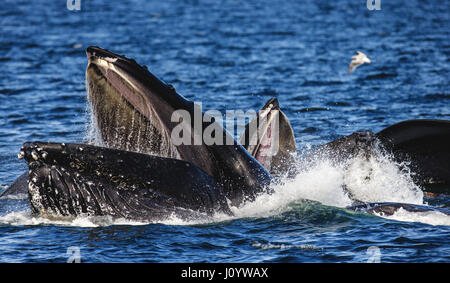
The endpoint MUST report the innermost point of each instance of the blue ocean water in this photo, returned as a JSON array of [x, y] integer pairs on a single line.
[[230, 55]]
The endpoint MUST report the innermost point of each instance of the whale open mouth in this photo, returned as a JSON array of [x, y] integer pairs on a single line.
[[134, 111]]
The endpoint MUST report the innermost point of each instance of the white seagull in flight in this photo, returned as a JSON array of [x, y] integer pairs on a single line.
[[357, 60]]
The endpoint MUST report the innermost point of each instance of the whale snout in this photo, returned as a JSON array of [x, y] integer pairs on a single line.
[[99, 53]]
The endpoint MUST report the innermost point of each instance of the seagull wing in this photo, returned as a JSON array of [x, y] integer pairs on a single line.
[[353, 65]]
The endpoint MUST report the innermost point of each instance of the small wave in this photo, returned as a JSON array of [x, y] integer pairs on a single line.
[[19, 121], [301, 98], [381, 76], [15, 196], [309, 130], [339, 103], [267, 92], [321, 83], [270, 246], [3, 188], [437, 96], [313, 109]]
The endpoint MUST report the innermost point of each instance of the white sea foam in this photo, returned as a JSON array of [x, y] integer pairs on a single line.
[[270, 246], [3, 188], [24, 217], [16, 196], [378, 179], [427, 217]]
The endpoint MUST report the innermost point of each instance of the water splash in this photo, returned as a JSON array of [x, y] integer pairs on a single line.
[[92, 134], [379, 179], [428, 217], [25, 217]]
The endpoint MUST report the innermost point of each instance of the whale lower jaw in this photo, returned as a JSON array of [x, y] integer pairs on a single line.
[[70, 180]]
